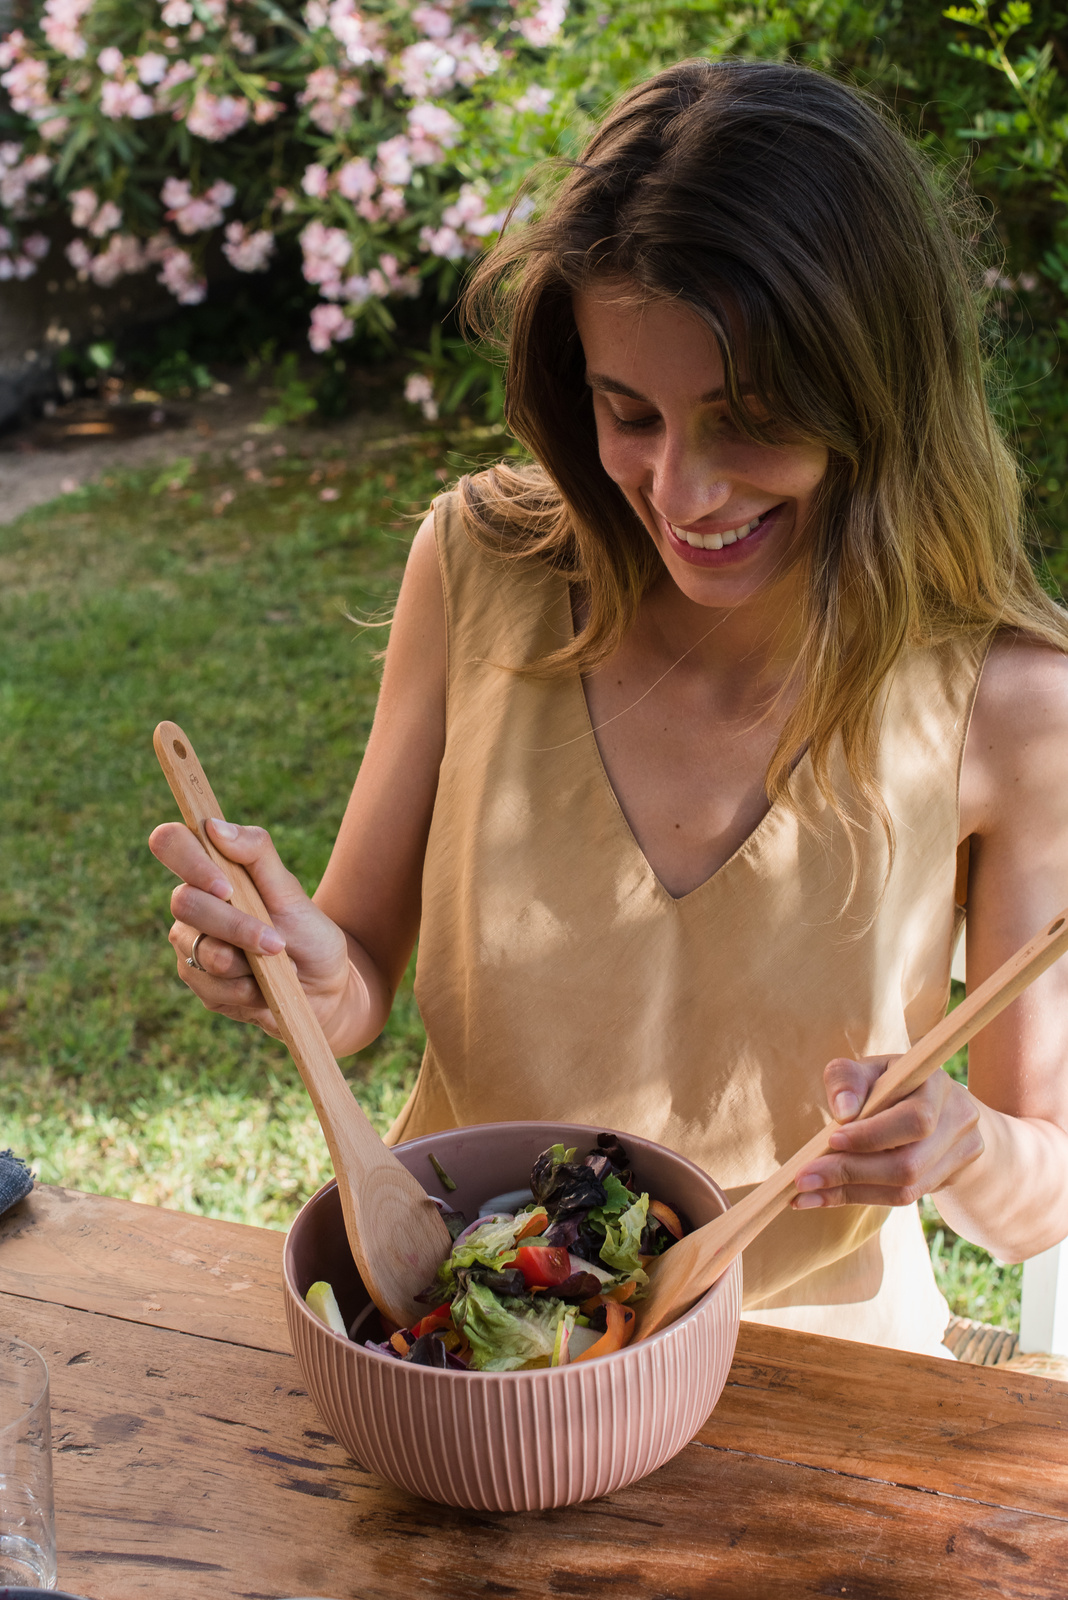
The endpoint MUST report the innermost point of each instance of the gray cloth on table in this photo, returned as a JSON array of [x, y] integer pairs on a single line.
[[16, 1180]]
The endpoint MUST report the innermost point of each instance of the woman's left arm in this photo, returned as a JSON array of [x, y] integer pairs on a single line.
[[994, 1156]]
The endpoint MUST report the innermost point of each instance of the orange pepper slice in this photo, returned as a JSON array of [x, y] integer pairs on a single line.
[[664, 1214], [535, 1224], [622, 1292], [615, 1337]]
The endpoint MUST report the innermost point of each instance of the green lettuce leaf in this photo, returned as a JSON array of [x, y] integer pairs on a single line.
[[623, 1237], [492, 1245], [506, 1335]]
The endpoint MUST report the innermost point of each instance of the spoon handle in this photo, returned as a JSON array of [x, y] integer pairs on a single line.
[[394, 1230], [690, 1267]]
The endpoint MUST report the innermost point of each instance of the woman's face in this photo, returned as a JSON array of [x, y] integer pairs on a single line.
[[728, 515]]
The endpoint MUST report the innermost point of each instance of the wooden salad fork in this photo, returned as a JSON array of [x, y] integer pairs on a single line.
[[689, 1268], [395, 1231]]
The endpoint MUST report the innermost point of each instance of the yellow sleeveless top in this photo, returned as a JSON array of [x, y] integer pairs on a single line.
[[557, 978]]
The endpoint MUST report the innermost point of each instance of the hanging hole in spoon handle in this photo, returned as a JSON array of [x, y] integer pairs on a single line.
[[395, 1231]]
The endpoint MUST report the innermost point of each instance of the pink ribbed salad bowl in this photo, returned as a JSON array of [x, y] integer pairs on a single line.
[[511, 1441]]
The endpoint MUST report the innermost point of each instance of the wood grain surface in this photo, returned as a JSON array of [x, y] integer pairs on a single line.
[[143, 1264], [188, 1466], [189, 1460]]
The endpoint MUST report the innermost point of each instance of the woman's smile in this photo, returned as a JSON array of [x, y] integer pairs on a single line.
[[727, 512]]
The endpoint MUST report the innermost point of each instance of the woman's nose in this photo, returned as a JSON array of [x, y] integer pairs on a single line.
[[689, 482]]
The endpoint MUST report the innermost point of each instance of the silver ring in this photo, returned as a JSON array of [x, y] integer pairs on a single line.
[[191, 958]]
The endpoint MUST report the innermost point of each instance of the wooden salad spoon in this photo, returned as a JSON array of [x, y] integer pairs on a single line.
[[395, 1231], [689, 1268]]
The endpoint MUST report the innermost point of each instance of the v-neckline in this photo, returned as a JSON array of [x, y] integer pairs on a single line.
[[753, 836]]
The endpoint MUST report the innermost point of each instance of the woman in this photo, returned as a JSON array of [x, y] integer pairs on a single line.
[[694, 739]]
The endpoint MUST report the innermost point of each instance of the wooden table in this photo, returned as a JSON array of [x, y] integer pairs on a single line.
[[189, 1461]]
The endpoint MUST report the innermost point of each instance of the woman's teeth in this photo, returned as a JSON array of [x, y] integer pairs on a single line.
[[716, 541]]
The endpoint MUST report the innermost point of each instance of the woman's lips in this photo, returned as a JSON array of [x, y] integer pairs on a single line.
[[730, 554]]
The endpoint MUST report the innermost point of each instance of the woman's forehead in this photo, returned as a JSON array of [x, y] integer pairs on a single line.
[[636, 343]]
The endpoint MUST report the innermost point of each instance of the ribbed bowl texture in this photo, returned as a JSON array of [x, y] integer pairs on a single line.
[[511, 1441]]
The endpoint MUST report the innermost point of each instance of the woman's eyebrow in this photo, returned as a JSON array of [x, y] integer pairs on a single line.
[[599, 380]]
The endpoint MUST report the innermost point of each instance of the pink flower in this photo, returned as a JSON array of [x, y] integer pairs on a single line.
[[151, 67], [535, 99], [60, 25], [329, 98], [394, 160], [177, 14], [357, 179], [12, 49], [433, 21], [266, 110], [53, 128], [426, 68], [27, 84], [248, 252], [36, 246], [79, 256], [316, 181], [329, 324], [17, 177], [110, 61], [419, 391], [179, 275], [123, 255], [216, 117], [361, 36], [195, 213], [125, 99], [83, 204], [391, 204], [326, 251], [444, 242], [107, 219], [543, 26], [431, 131]]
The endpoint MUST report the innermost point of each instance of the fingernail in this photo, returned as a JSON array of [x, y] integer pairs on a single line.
[[225, 830], [808, 1180], [271, 942], [805, 1202], [846, 1105]]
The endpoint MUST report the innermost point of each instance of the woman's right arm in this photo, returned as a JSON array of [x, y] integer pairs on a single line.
[[351, 943]]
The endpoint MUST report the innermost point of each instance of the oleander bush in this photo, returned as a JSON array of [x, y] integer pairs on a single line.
[[368, 153]]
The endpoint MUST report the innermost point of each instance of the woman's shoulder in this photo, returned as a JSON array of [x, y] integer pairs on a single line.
[[1017, 750]]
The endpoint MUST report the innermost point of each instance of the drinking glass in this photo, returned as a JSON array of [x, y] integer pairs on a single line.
[[27, 1517]]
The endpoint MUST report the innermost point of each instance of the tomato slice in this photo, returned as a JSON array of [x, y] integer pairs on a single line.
[[542, 1265]]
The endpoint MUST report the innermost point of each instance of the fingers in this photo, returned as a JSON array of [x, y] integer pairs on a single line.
[[223, 921], [893, 1158], [849, 1083], [223, 982], [179, 849]]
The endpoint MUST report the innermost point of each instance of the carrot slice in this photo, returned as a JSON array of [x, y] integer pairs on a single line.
[[400, 1344], [616, 1335], [664, 1214], [535, 1224], [623, 1292], [588, 1307]]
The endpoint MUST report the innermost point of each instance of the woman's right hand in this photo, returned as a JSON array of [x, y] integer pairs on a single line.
[[200, 904]]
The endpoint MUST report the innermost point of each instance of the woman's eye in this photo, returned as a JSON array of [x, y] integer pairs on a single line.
[[628, 424]]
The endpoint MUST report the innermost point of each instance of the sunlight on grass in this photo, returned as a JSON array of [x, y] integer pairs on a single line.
[[216, 597]]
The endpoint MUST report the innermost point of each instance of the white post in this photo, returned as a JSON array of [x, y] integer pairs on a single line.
[[1044, 1310], [1044, 1302]]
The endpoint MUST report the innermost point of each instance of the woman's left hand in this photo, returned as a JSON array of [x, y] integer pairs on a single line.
[[911, 1149]]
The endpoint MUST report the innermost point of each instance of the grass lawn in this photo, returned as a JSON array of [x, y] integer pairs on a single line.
[[216, 597]]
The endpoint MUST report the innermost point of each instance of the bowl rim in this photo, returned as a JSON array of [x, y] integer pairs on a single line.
[[547, 1374]]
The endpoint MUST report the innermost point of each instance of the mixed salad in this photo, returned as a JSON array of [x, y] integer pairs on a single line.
[[548, 1278]]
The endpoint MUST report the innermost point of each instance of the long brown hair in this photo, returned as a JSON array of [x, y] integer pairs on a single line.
[[796, 220]]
